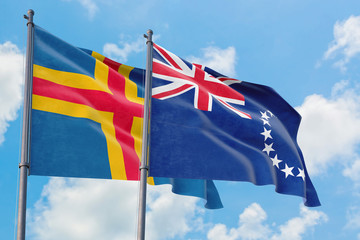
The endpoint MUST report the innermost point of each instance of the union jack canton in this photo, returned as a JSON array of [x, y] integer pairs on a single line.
[[184, 76]]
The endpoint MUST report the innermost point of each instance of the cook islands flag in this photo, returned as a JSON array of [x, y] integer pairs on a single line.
[[205, 125]]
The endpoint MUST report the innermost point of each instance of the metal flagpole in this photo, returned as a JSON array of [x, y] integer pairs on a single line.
[[24, 164], [145, 138]]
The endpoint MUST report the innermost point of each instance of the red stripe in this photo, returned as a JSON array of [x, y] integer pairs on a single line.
[[203, 93], [167, 56], [223, 79], [235, 109], [203, 100], [198, 66], [123, 119], [114, 65], [162, 69], [75, 95]]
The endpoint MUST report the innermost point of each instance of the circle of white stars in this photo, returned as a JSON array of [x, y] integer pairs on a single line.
[[265, 118]]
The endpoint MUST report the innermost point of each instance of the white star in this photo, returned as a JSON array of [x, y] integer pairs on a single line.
[[301, 174], [271, 114], [287, 170], [264, 115], [266, 134], [276, 161], [265, 121], [268, 148]]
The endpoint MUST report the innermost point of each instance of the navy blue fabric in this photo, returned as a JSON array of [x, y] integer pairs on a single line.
[[221, 145], [137, 75]]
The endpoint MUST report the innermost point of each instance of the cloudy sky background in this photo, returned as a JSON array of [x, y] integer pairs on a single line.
[[308, 52]]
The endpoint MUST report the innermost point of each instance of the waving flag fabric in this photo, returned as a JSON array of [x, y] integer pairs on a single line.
[[87, 118], [222, 128]]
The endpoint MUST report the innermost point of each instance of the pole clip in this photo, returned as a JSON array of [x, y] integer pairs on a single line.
[[145, 167], [24, 164]]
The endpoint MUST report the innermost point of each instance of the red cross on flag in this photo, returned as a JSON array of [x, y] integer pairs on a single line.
[[184, 77]]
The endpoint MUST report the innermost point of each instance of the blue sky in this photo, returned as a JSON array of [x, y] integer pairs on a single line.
[[308, 51]]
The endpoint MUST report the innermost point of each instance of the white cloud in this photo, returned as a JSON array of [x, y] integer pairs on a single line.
[[170, 216], [353, 218], [85, 209], [252, 226], [90, 6], [353, 171], [251, 223], [11, 82], [298, 226], [330, 127], [346, 41], [114, 52], [219, 232], [107, 209], [221, 60]]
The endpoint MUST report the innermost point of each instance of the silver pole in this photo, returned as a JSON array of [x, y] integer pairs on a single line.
[[145, 138], [24, 164]]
